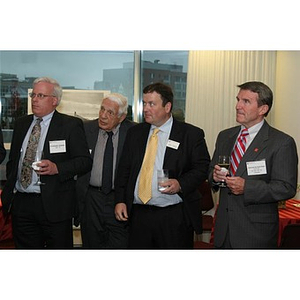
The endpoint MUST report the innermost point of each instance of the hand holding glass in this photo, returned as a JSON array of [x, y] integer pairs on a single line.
[[36, 167], [162, 177], [223, 162]]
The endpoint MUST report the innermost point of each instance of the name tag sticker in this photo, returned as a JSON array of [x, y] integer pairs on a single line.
[[57, 146], [173, 144], [256, 167]]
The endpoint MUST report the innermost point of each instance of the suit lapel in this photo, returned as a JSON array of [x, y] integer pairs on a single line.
[[142, 142], [54, 127], [122, 135], [93, 136], [231, 140], [22, 132], [176, 135]]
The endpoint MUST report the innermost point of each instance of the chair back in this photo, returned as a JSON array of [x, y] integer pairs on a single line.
[[290, 237], [207, 202]]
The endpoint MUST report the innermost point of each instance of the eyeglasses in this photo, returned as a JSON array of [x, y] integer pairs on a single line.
[[39, 95]]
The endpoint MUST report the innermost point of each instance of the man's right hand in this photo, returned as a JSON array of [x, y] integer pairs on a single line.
[[121, 212]]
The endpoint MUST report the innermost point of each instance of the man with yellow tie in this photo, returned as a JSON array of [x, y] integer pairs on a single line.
[[161, 219]]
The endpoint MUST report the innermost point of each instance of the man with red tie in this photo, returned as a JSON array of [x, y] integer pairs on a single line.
[[263, 171]]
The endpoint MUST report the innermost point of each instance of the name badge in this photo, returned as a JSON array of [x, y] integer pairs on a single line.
[[57, 146], [173, 144], [256, 167]]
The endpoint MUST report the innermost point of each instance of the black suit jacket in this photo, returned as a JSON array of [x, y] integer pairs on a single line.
[[92, 131], [2, 149], [188, 164], [58, 193], [253, 216]]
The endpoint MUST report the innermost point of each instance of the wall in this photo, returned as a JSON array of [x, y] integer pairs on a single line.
[[286, 108]]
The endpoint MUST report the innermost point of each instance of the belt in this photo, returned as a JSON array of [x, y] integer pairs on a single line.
[[30, 194], [98, 188], [154, 207]]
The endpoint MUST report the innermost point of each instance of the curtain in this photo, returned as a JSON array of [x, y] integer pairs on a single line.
[[212, 82]]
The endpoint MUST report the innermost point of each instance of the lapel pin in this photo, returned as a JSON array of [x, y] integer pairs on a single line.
[[256, 150]]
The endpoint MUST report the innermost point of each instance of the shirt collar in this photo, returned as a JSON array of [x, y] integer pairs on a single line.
[[45, 118], [253, 130], [115, 130], [165, 127]]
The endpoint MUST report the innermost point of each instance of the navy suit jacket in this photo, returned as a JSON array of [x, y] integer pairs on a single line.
[[253, 216], [58, 193], [188, 164]]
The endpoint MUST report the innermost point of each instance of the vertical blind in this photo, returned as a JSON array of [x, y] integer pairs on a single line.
[[212, 82]]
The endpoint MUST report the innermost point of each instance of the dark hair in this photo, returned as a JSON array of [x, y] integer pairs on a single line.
[[265, 94], [163, 90]]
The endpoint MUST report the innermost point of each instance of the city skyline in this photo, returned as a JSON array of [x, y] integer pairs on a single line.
[[80, 69]]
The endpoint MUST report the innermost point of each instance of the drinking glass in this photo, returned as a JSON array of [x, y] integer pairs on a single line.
[[35, 165], [223, 162], [162, 176]]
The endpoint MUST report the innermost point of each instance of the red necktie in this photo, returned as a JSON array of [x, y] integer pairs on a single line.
[[238, 151]]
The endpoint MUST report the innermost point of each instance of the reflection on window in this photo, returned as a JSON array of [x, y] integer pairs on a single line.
[[74, 70], [83, 73], [111, 71], [169, 67]]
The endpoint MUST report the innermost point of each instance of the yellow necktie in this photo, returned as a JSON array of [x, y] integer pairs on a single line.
[[145, 184]]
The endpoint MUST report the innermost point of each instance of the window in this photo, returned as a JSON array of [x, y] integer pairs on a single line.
[[74, 70], [169, 67], [85, 73]]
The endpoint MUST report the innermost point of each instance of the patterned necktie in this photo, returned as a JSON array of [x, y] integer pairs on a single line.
[[145, 184], [238, 151], [26, 172], [107, 171]]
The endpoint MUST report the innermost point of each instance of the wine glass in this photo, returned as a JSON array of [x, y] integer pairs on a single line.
[[35, 165], [223, 162]]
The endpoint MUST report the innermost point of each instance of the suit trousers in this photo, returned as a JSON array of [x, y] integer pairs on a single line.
[[153, 227], [99, 227], [32, 229]]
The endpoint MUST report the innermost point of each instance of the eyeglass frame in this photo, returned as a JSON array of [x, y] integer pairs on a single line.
[[39, 95]]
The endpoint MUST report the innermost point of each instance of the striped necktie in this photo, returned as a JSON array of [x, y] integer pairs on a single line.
[[145, 183], [238, 151], [26, 172]]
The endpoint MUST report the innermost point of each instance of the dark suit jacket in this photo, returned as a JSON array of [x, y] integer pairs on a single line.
[[58, 193], [188, 164], [253, 217], [92, 131], [2, 149]]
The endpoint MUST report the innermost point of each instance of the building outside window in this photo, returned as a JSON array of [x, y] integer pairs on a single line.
[[86, 72]]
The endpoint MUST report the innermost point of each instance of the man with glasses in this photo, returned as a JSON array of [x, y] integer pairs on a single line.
[[42, 213], [95, 190]]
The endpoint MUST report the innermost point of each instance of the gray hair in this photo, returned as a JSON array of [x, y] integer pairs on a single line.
[[265, 94], [120, 100], [57, 91]]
